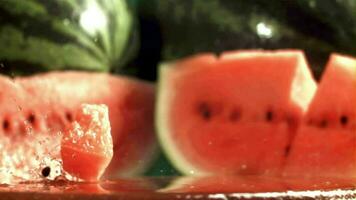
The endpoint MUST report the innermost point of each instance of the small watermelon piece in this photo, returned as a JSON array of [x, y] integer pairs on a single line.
[[86, 146], [235, 114], [325, 144], [46, 103]]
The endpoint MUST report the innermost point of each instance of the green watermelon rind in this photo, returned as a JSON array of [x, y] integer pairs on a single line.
[[163, 134]]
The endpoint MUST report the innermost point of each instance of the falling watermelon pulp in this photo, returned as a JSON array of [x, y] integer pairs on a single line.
[[236, 114]]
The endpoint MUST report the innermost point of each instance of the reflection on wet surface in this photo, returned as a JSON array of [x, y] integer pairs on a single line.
[[246, 187]]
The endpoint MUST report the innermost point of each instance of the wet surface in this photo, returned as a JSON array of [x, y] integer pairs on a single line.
[[246, 187]]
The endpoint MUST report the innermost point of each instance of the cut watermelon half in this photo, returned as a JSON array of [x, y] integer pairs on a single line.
[[46, 103], [235, 114], [325, 144], [86, 147]]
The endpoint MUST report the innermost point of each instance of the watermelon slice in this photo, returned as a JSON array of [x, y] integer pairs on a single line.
[[325, 144], [235, 114], [86, 147], [46, 103]]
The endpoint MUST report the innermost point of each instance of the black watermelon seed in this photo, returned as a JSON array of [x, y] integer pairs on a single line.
[[6, 125], [31, 118], [69, 116], [269, 116], [287, 150], [46, 171], [205, 111], [344, 120]]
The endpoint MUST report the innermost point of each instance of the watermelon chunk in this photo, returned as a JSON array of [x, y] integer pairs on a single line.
[[325, 144], [86, 147], [46, 103], [235, 114]]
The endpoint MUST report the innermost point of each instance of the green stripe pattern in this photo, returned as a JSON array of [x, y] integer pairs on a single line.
[[58, 34]]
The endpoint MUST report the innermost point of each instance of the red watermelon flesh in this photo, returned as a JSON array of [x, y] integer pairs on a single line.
[[325, 143], [86, 145], [11, 95], [47, 102], [235, 114]]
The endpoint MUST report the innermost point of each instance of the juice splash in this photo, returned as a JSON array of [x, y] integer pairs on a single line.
[[83, 149], [23, 158]]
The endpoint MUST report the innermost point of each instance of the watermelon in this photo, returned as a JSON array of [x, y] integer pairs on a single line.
[[233, 114], [220, 25], [86, 147], [46, 103], [325, 144], [39, 35]]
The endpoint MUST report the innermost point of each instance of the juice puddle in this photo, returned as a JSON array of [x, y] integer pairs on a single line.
[[247, 187], [32, 157]]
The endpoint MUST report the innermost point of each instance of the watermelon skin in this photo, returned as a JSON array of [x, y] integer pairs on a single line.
[[42, 35], [212, 118], [325, 144], [53, 97]]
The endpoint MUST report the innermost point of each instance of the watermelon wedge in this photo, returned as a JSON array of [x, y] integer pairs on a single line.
[[46, 103], [236, 114], [86, 147], [325, 144]]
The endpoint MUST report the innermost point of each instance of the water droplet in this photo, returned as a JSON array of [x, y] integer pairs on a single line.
[[264, 30]]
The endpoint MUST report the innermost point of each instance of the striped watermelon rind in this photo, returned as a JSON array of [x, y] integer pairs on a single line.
[[48, 35]]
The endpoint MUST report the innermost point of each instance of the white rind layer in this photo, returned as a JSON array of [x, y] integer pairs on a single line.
[[165, 94]]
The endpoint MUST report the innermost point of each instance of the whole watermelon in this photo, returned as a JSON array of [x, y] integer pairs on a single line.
[[41, 35], [319, 27]]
